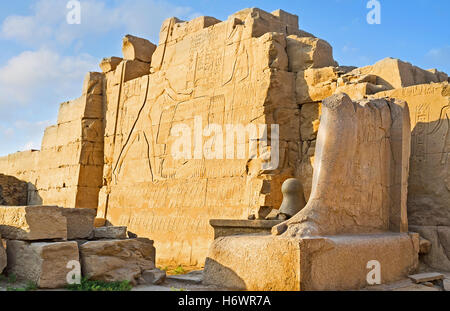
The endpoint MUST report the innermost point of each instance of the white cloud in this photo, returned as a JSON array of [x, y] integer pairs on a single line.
[[31, 73], [48, 25]]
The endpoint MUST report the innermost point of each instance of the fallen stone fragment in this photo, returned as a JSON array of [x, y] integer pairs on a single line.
[[80, 222], [135, 48], [115, 233], [264, 211], [117, 260], [44, 264], [32, 223], [110, 64], [154, 276], [424, 246], [2, 256], [194, 277], [426, 277]]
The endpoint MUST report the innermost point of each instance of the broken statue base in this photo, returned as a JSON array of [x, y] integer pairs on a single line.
[[279, 263]]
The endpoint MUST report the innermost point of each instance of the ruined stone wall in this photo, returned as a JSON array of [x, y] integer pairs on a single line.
[[68, 170]]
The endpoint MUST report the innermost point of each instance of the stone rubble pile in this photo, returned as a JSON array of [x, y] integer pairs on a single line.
[[40, 244]]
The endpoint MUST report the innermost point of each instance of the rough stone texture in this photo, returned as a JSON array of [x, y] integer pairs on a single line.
[[13, 192], [117, 260], [80, 222], [110, 233], [362, 157], [154, 276], [32, 223], [135, 48], [249, 262], [3, 257], [44, 264], [110, 64], [307, 52]]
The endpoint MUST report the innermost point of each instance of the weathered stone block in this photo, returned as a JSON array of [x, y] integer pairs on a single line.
[[42, 263], [110, 232], [117, 260], [80, 222], [135, 48], [154, 276], [32, 223], [251, 262], [307, 52], [110, 64]]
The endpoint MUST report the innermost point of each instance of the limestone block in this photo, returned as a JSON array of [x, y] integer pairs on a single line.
[[32, 223], [117, 260], [93, 84], [359, 91], [87, 197], [129, 70], [59, 196], [115, 233], [80, 222], [110, 64], [394, 73], [135, 48], [154, 276], [44, 264], [246, 262], [286, 18], [86, 106], [3, 258], [316, 84], [306, 52], [180, 29]]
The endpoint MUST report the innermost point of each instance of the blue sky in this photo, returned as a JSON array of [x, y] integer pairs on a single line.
[[43, 59]]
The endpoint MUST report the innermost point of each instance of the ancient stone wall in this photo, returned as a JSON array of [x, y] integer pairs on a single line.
[[429, 179], [68, 170]]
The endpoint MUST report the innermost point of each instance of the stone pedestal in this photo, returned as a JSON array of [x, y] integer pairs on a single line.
[[279, 263], [228, 227]]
